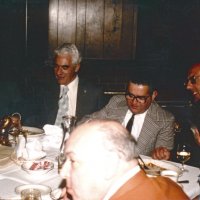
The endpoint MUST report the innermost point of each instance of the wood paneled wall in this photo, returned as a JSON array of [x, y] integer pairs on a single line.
[[102, 29]]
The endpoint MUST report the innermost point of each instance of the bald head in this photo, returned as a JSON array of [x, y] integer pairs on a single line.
[[110, 135], [98, 153], [193, 81]]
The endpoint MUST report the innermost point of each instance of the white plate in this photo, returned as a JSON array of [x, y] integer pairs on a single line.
[[43, 188], [33, 132], [161, 164], [37, 172]]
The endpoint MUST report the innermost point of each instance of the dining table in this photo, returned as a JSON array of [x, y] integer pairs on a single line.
[[12, 176]]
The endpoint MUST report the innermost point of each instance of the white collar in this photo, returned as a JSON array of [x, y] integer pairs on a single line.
[[121, 182], [71, 85]]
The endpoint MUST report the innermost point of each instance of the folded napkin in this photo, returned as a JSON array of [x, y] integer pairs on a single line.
[[53, 137], [30, 150]]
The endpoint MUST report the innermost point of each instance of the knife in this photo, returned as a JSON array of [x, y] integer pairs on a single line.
[[183, 181]]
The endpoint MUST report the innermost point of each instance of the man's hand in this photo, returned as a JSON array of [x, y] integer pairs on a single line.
[[161, 153]]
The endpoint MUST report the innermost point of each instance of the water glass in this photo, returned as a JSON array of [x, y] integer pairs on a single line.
[[30, 194]]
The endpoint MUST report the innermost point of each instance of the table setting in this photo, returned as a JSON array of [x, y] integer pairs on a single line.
[[33, 164], [187, 178], [30, 158]]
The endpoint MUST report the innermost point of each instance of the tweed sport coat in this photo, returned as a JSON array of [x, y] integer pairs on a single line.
[[157, 129], [141, 187]]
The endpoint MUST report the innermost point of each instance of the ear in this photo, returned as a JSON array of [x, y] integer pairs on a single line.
[[154, 95], [77, 67]]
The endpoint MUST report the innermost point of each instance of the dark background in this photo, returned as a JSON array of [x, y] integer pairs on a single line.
[[168, 42]]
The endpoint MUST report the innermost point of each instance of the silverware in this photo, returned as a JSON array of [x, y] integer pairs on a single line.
[[183, 181], [144, 166]]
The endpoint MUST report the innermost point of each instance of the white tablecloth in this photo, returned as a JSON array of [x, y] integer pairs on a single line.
[[13, 176]]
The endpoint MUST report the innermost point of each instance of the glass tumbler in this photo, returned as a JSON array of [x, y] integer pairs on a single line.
[[30, 194]]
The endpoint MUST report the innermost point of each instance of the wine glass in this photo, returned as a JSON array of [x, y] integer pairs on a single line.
[[183, 154], [69, 122]]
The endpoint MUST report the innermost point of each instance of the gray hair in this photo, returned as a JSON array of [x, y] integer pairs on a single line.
[[71, 49], [116, 139]]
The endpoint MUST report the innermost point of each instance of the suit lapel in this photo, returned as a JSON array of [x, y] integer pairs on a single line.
[[149, 130], [51, 103], [81, 93]]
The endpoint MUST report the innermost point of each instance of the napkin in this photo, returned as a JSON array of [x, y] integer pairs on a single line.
[[53, 137], [30, 150], [34, 150]]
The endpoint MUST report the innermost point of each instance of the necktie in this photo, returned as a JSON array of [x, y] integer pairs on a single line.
[[130, 124], [63, 106]]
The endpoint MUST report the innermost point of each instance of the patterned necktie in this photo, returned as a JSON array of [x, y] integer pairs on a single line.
[[63, 106], [130, 124]]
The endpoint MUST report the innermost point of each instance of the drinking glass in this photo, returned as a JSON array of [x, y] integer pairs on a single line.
[[30, 194], [183, 154], [69, 122]]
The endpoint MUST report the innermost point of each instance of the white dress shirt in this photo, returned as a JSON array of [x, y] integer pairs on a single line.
[[137, 123], [72, 95]]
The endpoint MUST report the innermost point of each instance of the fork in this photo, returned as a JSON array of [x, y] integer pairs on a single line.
[[144, 165]]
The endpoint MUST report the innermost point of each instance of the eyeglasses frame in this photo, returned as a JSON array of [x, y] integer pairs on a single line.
[[133, 97]]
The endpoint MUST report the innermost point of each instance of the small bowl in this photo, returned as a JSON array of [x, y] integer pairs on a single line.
[[37, 167]]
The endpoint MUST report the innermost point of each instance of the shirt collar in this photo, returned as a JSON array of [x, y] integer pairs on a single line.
[[71, 85], [137, 115], [121, 182]]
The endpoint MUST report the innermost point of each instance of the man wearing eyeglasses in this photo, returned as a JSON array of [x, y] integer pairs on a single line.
[[152, 126], [193, 85]]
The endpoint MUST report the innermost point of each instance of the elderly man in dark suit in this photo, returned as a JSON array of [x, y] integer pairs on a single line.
[[66, 94], [152, 127]]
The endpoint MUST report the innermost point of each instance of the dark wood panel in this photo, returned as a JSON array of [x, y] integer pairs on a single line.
[[113, 25], [127, 36], [94, 28], [66, 21], [134, 33], [80, 29], [53, 25], [101, 29]]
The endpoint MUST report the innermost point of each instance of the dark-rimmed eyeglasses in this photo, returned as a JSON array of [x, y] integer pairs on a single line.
[[139, 99], [192, 80]]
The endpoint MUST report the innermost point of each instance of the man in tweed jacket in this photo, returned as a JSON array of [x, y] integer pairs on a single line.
[[152, 127]]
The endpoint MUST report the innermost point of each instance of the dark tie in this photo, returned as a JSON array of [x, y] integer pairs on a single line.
[[130, 124]]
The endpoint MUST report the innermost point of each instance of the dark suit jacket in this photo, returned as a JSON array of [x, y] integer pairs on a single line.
[[90, 98], [141, 187], [157, 129]]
